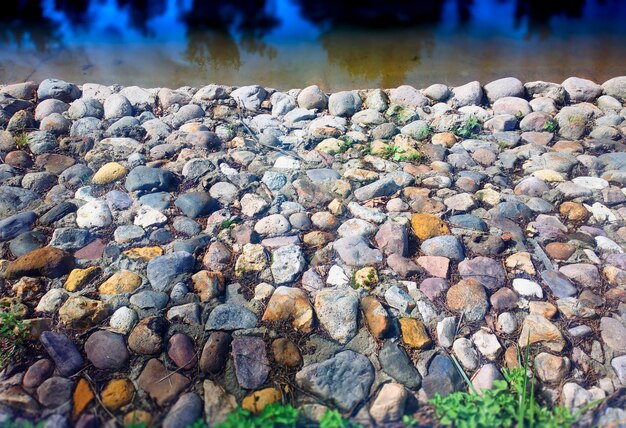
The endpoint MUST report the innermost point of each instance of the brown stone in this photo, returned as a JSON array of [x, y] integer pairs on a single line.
[[435, 265], [208, 285], [144, 253], [536, 329], [427, 225], [83, 395], [80, 313], [79, 277], [288, 303], [504, 299], [545, 309], [574, 211], [181, 350], [147, 336], [317, 238], [162, 385], [117, 393], [376, 316], [469, 298], [121, 282], [47, 261], [137, 418], [560, 250], [286, 352], [54, 163], [215, 352], [446, 139], [258, 400], [414, 333], [37, 373], [91, 251]]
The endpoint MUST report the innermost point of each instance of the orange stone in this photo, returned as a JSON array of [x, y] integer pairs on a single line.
[[144, 253], [414, 333], [83, 395], [117, 393], [258, 400], [427, 225]]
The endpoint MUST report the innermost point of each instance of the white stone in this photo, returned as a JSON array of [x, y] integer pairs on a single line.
[[591, 183], [94, 213], [263, 291], [252, 204], [287, 263], [527, 288], [466, 354], [123, 320], [52, 300], [148, 217], [399, 299], [487, 344], [286, 162], [336, 276], [507, 322], [445, 331], [356, 227]]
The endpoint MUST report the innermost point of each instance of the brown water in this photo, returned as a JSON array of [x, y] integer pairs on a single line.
[[494, 40]]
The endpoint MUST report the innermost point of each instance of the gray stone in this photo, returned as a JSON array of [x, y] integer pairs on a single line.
[[229, 316], [396, 363], [62, 351], [164, 271], [337, 310]]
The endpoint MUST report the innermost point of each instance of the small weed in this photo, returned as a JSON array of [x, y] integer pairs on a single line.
[[21, 141], [22, 423], [468, 129], [226, 224], [347, 142], [397, 154], [428, 132], [13, 334], [409, 421], [550, 125], [519, 116], [510, 402], [333, 419], [198, 424], [274, 415]]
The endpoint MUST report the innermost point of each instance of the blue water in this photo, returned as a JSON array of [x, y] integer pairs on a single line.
[[292, 43]]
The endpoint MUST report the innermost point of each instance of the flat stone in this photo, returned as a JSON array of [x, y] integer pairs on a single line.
[[251, 363], [106, 350], [290, 304], [162, 385], [337, 310], [63, 352], [229, 316], [468, 297]]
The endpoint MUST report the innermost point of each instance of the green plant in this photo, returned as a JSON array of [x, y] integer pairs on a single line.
[[550, 125], [470, 128], [333, 419], [510, 402], [273, 415], [229, 223], [21, 141], [519, 116], [409, 421], [13, 334], [22, 423], [426, 133], [198, 424], [346, 143]]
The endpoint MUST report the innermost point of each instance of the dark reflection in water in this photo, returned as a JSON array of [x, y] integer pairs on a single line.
[[292, 43]]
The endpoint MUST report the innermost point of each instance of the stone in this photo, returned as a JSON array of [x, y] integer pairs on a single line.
[[489, 273], [286, 352], [537, 329], [337, 311], [290, 304], [181, 350], [487, 344], [162, 385], [427, 226], [117, 393], [81, 313], [47, 261], [355, 251], [527, 288], [581, 90], [54, 392], [146, 338], [217, 402], [613, 333], [120, 282], [14, 225], [414, 333], [551, 368], [442, 377], [344, 380], [82, 397], [106, 350], [251, 363], [287, 263], [79, 277], [215, 352], [443, 246], [109, 173], [229, 316], [164, 271], [389, 404], [376, 316], [469, 298]]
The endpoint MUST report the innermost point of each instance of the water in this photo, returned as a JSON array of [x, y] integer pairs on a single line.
[[293, 43]]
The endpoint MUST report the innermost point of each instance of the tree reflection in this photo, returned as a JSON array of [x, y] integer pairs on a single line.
[[23, 22]]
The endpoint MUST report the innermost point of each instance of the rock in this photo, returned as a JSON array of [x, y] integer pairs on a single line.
[[379, 188], [120, 282], [94, 214], [527, 288], [337, 310], [558, 283], [258, 400], [251, 364], [344, 103], [376, 316], [355, 251], [290, 304], [442, 377], [82, 397], [217, 402], [48, 261], [489, 273], [312, 97], [469, 298], [505, 87], [215, 352], [483, 379], [117, 393], [414, 333], [551, 368], [14, 225], [151, 381], [388, 406], [286, 352], [63, 352], [443, 246], [38, 372], [54, 392], [613, 333], [149, 179], [575, 396], [343, 380], [229, 316], [165, 270], [81, 313], [465, 95], [537, 329], [106, 350], [147, 336], [181, 350], [581, 90], [487, 344], [58, 89], [426, 226], [287, 263]]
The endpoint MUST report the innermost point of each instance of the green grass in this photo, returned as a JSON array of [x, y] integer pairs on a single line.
[[347, 143], [510, 403], [550, 125], [13, 334], [470, 128], [397, 154], [226, 224], [21, 141]]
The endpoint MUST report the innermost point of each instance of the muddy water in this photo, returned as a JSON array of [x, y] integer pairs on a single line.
[[287, 43]]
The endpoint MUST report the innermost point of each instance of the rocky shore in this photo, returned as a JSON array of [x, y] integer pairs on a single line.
[[173, 254]]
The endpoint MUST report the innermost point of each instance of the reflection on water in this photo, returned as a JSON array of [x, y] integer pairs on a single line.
[[293, 43]]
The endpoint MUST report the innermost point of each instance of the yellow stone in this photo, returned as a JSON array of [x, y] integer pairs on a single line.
[[137, 418], [79, 277], [330, 146], [257, 401], [123, 281], [144, 253], [520, 262], [414, 333], [366, 277], [548, 175], [336, 207], [446, 139], [427, 225], [117, 393], [109, 172], [379, 148], [83, 395]]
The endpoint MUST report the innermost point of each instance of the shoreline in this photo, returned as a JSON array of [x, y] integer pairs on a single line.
[[255, 246]]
